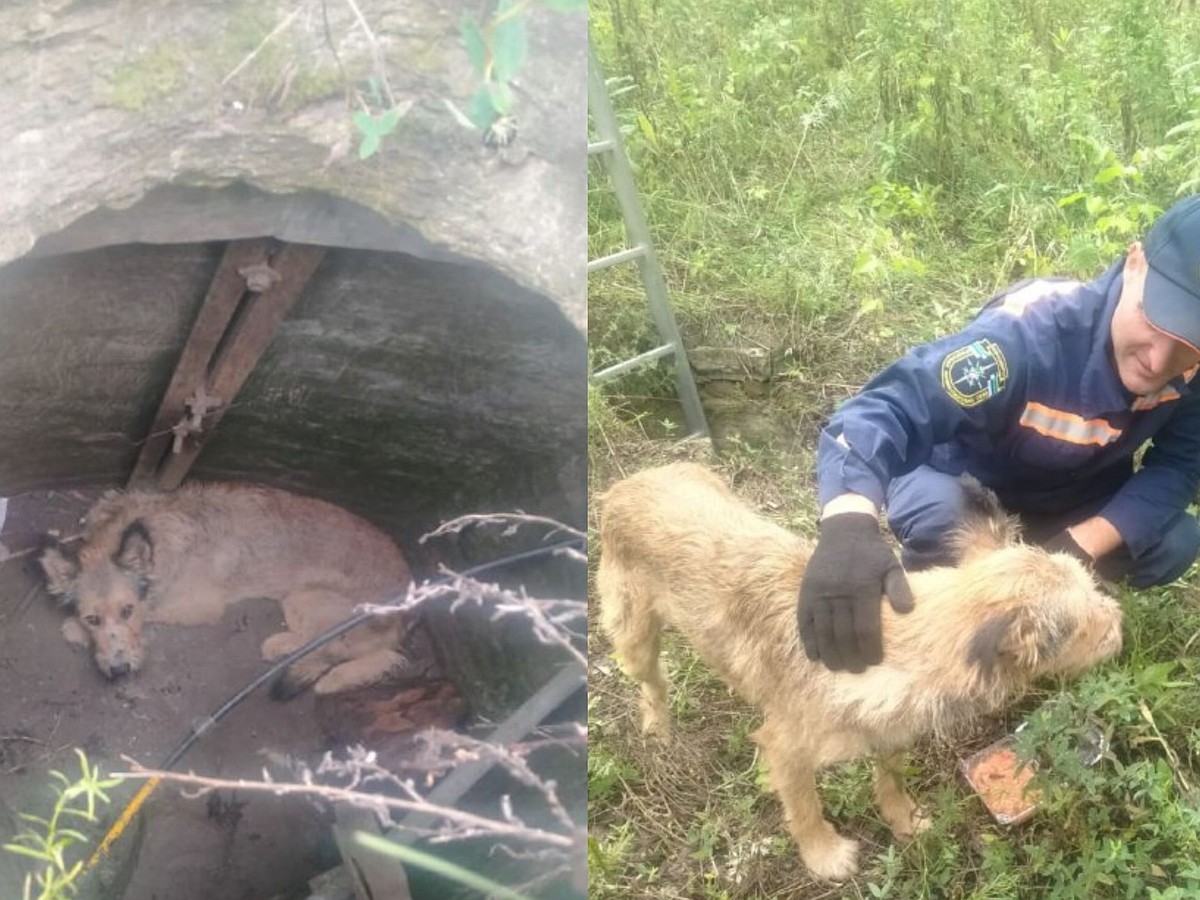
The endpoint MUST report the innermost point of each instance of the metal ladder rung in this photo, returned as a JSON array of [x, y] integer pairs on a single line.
[[637, 235], [614, 258], [639, 360]]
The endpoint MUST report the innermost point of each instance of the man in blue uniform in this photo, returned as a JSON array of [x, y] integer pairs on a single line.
[[1045, 398]]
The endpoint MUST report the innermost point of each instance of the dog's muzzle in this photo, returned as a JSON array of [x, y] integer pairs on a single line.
[[120, 670]]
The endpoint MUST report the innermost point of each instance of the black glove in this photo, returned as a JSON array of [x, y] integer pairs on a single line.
[[852, 567], [1062, 542]]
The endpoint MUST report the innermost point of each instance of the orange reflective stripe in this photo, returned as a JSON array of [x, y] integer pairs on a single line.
[[1165, 395], [1069, 427]]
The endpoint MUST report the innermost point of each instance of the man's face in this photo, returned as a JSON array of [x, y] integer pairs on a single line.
[[1145, 357]]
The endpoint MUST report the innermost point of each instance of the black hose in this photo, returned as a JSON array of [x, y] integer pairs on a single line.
[[199, 729]]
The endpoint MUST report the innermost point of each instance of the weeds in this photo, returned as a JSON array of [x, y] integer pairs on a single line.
[[56, 842]]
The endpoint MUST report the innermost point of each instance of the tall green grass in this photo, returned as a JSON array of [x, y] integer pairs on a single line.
[[885, 163]]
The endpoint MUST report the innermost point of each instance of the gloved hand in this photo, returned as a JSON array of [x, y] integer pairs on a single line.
[[852, 567], [1062, 542]]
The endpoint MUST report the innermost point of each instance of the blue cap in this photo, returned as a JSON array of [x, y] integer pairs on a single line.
[[1172, 297]]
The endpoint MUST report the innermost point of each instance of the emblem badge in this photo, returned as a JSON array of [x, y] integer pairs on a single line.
[[973, 373]]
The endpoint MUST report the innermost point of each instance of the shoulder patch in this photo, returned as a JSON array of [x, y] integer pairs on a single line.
[[973, 373]]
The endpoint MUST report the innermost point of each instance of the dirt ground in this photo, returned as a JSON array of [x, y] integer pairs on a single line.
[[52, 699]]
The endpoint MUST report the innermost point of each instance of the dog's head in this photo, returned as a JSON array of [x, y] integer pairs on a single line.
[[106, 588], [1044, 614]]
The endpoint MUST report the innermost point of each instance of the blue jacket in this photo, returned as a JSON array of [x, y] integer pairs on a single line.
[[1026, 398]]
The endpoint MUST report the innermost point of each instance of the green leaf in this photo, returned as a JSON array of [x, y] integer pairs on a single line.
[[369, 146], [1114, 224], [472, 39], [1154, 675], [1184, 128], [501, 95], [25, 851], [1108, 174], [509, 44], [647, 130], [480, 110], [413, 857], [388, 121], [364, 122]]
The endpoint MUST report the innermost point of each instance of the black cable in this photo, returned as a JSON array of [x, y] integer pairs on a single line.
[[199, 729]]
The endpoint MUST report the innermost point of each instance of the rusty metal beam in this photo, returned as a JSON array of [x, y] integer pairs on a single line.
[[220, 303], [250, 295]]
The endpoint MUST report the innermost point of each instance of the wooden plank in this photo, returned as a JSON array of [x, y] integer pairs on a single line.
[[220, 303], [243, 344]]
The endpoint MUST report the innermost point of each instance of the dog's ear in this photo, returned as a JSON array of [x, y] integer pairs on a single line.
[[61, 569], [135, 553], [1016, 640], [108, 507]]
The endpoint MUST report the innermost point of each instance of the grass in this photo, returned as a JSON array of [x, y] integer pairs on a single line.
[[836, 182], [697, 820]]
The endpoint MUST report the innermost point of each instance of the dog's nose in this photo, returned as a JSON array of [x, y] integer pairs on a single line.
[[120, 670]]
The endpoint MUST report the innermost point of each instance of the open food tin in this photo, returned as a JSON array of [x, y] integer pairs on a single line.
[[1003, 781]]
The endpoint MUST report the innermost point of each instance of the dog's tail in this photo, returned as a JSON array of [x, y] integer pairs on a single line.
[[985, 525], [615, 587]]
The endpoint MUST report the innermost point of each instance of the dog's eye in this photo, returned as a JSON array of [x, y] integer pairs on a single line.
[[93, 620], [126, 611]]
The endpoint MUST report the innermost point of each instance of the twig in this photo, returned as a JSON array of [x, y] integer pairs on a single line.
[[511, 521], [333, 49], [253, 53], [376, 51], [376, 803], [462, 747], [548, 617], [1172, 758], [4, 738]]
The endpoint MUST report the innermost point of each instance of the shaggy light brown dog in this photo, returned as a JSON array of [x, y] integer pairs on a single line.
[[679, 549], [183, 557]]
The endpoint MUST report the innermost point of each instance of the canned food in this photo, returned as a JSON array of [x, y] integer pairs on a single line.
[[1002, 781]]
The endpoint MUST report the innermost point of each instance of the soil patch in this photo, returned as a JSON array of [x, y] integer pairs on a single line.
[[236, 846]]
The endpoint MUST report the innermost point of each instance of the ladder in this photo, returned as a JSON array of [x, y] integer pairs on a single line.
[[609, 147]]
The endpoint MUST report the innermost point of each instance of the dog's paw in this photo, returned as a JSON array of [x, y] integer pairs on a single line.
[[656, 723], [835, 858], [280, 645], [74, 633], [907, 820], [657, 732], [920, 822]]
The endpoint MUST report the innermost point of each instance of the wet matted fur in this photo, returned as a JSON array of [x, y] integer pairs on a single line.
[[183, 557], [679, 549]]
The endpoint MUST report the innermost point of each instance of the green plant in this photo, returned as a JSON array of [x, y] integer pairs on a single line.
[[374, 128], [496, 48], [411, 856], [53, 841], [841, 180], [608, 775]]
